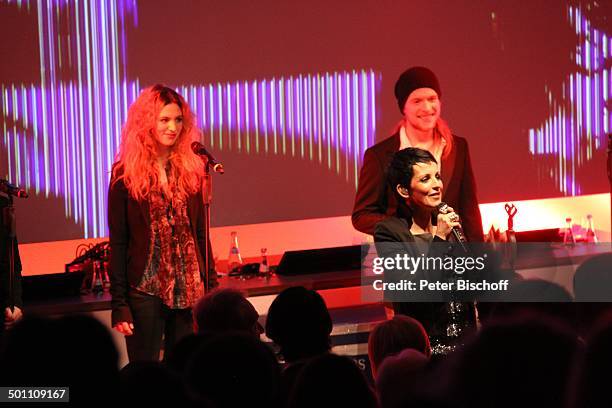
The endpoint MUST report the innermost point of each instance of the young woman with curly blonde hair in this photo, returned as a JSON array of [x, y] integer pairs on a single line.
[[156, 225]]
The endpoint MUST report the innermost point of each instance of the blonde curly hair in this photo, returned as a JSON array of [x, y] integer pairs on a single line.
[[136, 162]]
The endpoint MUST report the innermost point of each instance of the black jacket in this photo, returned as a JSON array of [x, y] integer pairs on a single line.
[[392, 237], [129, 227]]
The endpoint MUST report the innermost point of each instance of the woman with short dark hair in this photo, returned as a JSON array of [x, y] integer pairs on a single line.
[[420, 229]]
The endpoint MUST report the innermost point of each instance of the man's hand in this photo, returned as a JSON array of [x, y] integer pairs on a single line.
[[11, 316]]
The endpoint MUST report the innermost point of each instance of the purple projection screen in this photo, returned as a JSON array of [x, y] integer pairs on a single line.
[[289, 96]]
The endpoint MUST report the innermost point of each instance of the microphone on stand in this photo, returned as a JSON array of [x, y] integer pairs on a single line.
[[457, 232], [11, 189], [199, 149]]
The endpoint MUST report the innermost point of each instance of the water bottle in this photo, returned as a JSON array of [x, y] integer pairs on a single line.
[[234, 260], [568, 235], [591, 237], [264, 268]]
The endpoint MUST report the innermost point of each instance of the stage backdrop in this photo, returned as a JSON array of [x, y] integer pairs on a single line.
[[290, 94]]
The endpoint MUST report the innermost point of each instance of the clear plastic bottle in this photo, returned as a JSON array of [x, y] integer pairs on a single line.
[[568, 235], [234, 260], [97, 284], [590, 232], [264, 267]]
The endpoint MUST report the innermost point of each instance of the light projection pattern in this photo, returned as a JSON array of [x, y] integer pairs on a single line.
[[580, 120], [61, 135], [325, 118]]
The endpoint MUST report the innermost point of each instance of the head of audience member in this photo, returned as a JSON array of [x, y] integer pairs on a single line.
[[150, 383], [299, 323], [538, 290], [330, 380], [179, 356], [233, 370], [592, 372], [398, 376], [533, 296], [75, 351], [24, 360], [392, 336], [516, 362], [592, 290], [225, 310], [593, 279]]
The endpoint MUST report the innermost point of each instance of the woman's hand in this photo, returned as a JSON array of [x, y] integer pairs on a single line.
[[125, 328], [446, 222]]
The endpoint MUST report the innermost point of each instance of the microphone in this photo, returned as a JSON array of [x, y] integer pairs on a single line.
[[199, 149], [457, 232], [11, 189]]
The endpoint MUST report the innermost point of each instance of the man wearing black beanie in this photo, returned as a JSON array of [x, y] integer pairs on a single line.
[[418, 94]]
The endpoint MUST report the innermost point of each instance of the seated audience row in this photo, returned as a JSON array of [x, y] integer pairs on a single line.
[[521, 356]]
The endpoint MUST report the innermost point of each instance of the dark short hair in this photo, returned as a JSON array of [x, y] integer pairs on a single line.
[[224, 310], [299, 323], [233, 370], [400, 169]]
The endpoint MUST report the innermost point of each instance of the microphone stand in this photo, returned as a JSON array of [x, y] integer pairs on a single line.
[[206, 199]]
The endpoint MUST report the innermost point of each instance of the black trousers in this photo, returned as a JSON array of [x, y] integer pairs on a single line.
[[153, 321]]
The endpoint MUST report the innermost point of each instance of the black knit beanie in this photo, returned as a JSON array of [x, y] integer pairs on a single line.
[[415, 78]]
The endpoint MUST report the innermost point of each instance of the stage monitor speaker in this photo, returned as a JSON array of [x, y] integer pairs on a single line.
[[544, 235], [54, 285], [320, 260]]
